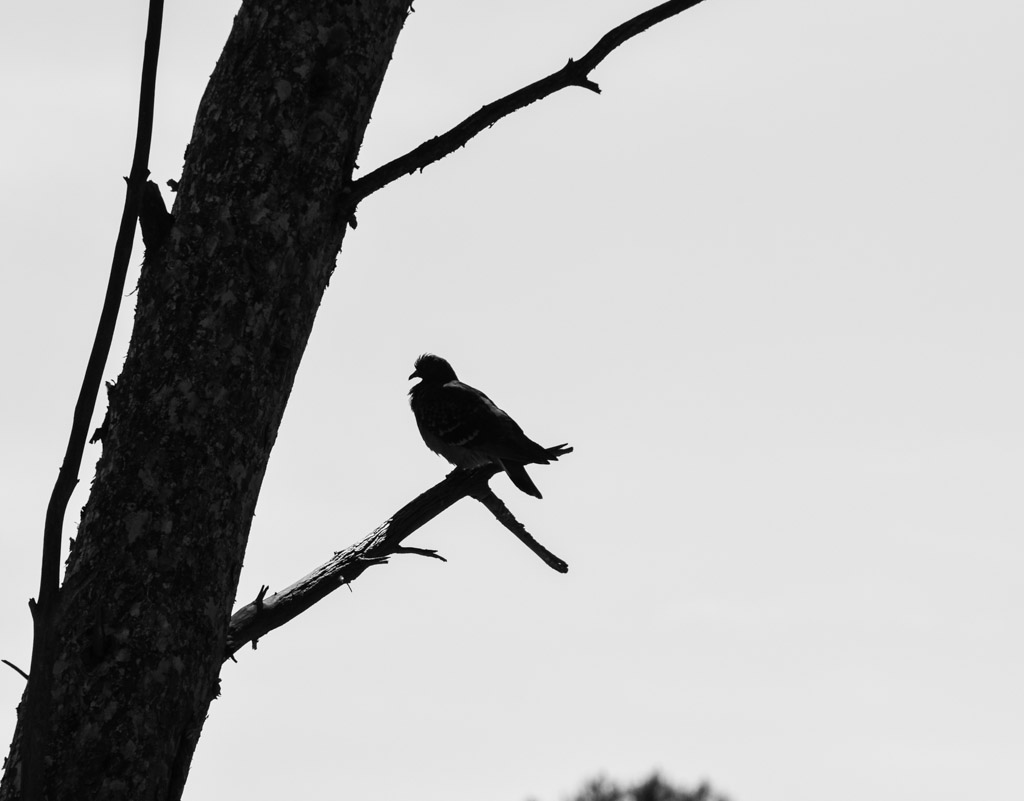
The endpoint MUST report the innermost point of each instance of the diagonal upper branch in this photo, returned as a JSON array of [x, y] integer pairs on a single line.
[[574, 73], [264, 614]]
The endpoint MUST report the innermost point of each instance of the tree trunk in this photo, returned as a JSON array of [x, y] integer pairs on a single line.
[[225, 308]]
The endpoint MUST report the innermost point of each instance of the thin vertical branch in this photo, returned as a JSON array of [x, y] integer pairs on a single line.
[[36, 705], [67, 479]]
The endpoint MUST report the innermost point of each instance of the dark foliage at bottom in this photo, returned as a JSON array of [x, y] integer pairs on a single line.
[[653, 789]]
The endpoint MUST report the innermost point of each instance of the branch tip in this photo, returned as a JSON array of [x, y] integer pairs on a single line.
[[430, 552], [16, 669], [501, 513]]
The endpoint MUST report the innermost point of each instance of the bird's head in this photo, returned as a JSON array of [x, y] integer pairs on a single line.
[[433, 368]]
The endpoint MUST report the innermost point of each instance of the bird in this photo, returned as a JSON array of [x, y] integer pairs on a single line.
[[466, 427]]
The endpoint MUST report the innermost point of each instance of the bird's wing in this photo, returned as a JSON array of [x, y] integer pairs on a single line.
[[466, 417]]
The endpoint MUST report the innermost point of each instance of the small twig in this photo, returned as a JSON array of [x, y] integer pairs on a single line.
[[421, 552], [501, 512], [258, 604], [154, 218], [574, 73], [260, 596], [16, 669]]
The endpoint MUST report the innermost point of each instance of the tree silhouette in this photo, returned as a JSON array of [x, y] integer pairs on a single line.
[[654, 788], [127, 652]]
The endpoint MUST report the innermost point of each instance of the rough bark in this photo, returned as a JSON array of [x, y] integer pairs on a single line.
[[225, 308]]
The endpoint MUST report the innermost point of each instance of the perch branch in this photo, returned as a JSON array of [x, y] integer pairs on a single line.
[[268, 612], [574, 73]]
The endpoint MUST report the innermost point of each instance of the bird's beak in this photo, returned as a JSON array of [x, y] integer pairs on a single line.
[[416, 374]]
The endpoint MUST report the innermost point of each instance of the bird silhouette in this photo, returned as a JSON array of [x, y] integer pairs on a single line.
[[465, 426]]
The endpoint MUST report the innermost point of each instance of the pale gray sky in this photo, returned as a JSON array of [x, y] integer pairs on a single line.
[[768, 284]]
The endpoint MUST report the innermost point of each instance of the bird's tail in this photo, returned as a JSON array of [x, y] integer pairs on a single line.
[[518, 475], [557, 450]]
